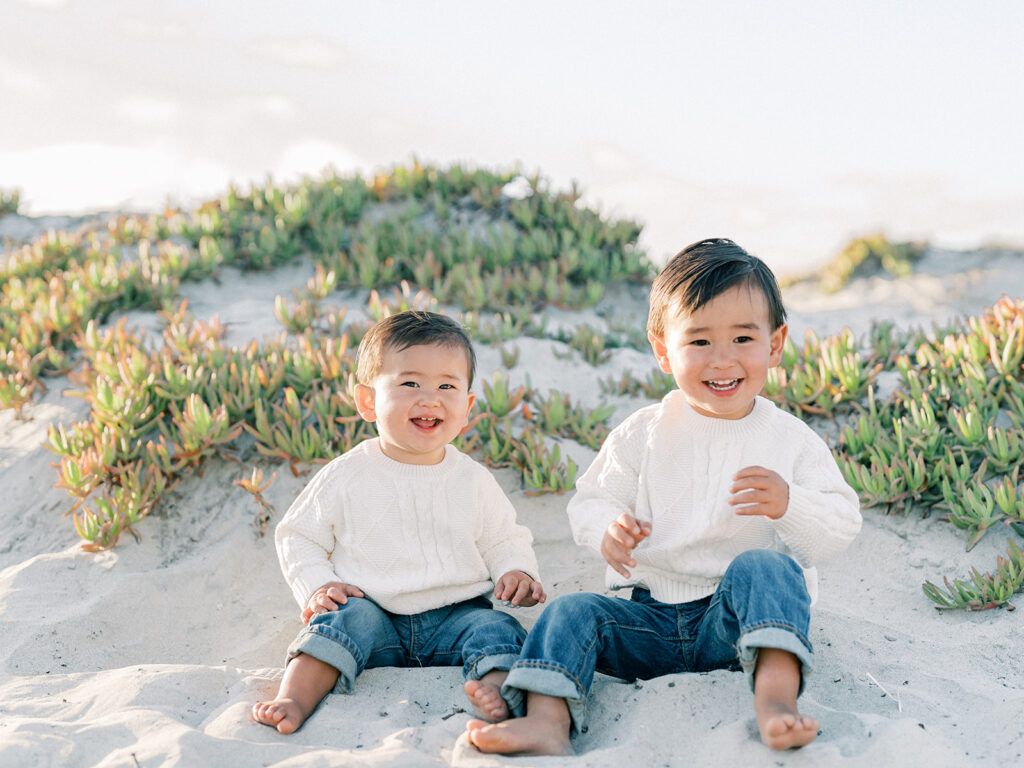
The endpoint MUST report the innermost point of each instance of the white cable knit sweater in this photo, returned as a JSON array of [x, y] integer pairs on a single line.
[[673, 466], [411, 537]]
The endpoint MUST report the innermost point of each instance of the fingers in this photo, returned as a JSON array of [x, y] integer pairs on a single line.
[[521, 591], [754, 471], [628, 531], [619, 540], [616, 556], [751, 497], [328, 598], [537, 592], [342, 593], [505, 587]]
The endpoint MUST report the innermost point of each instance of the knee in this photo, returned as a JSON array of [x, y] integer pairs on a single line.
[[575, 609], [356, 612], [767, 564], [497, 625]]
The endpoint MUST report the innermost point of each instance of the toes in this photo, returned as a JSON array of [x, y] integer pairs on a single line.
[[267, 712]]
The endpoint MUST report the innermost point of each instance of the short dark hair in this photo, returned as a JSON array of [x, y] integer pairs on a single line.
[[410, 329], [704, 270]]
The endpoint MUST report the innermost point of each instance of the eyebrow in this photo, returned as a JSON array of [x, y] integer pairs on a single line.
[[739, 326], [452, 376]]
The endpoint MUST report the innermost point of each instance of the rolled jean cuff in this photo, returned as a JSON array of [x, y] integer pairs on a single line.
[[549, 680], [328, 651], [481, 665], [775, 637]]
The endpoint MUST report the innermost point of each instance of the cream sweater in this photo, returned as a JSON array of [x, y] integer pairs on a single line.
[[672, 466], [411, 537]]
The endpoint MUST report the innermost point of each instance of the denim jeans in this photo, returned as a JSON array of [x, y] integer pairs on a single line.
[[761, 602], [360, 635]]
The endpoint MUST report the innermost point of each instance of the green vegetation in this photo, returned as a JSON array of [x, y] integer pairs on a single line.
[[10, 201], [866, 256], [159, 409], [949, 438]]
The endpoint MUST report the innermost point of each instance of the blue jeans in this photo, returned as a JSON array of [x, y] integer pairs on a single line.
[[361, 635], [761, 602]]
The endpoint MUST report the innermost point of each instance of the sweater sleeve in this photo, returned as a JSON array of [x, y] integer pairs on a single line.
[[503, 544], [823, 515], [610, 485], [305, 537]]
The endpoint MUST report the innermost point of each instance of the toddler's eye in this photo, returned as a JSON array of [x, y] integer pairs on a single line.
[[743, 339], [701, 342], [447, 386], [408, 384]]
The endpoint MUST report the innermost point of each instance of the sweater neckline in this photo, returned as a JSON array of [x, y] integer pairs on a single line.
[[402, 469], [754, 423]]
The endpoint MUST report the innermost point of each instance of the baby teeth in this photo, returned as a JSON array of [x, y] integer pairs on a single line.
[[723, 384]]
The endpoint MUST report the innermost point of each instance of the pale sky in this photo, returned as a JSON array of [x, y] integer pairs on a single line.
[[789, 126]]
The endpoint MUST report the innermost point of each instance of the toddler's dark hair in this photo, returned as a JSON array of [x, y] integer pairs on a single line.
[[409, 329], [702, 271]]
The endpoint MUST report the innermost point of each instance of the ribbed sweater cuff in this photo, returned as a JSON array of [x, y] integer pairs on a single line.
[[309, 580], [799, 525]]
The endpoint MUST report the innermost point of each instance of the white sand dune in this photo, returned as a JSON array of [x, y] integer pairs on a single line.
[[151, 654]]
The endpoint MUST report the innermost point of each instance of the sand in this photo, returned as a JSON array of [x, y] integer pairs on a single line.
[[151, 654]]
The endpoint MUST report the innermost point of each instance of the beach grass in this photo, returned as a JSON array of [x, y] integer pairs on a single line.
[[495, 248]]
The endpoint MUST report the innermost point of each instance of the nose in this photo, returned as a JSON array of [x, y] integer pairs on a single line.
[[720, 358], [429, 398]]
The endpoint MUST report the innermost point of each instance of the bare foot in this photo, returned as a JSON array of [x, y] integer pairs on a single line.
[[786, 728], [306, 681], [284, 714], [544, 730], [485, 696], [776, 685]]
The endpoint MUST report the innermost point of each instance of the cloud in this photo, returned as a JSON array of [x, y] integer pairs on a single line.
[[45, 4], [18, 79], [310, 52], [310, 157], [148, 111], [276, 105], [81, 176], [151, 29]]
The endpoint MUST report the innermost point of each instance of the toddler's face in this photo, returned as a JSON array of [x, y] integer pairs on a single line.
[[420, 401], [719, 355]]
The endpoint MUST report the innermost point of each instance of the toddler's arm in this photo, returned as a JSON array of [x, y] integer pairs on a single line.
[[608, 489], [816, 515], [519, 589], [328, 598], [624, 533]]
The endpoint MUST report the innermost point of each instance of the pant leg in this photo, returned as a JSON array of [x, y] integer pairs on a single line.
[[578, 634], [357, 636], [761, 602], [471, 633]]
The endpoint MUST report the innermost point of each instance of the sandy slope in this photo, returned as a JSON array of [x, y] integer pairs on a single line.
[[151, 654]]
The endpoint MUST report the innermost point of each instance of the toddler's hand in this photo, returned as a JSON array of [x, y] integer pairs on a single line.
[[759, 491], [519, 589], [328, 598], [620, 538]]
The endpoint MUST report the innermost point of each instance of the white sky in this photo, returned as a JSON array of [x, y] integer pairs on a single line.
[[789, 126]]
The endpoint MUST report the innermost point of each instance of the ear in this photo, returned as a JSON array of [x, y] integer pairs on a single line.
[[660, 351], [777, 344], [469, 405], [365, 397]]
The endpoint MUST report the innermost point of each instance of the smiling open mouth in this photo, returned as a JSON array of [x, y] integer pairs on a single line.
[[723, 385], [425, 423]]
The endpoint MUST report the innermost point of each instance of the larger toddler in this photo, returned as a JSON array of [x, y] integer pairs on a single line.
[[712, 505]]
